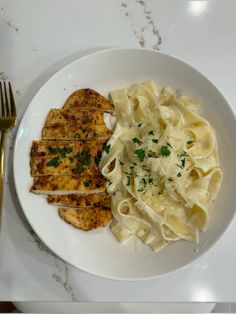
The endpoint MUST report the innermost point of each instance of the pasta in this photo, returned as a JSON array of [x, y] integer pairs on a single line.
[[162, 165]]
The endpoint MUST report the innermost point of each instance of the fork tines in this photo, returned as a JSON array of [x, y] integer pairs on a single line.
[[8, 107]]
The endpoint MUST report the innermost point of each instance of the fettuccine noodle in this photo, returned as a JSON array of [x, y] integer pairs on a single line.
[[162, 166]]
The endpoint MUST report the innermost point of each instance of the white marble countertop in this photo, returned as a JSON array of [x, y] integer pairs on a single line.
[[37, 38]]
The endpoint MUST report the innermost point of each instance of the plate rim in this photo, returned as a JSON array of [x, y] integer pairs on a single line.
[[69, 64]]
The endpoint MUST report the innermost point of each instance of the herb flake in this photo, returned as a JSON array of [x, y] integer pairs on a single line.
[[128, 181], [183, 154], [79, 169], [136, 140], [140, 154], [190, 142], [62, 151], [87, 183], [54, 162], [165, 151], [107, 148], [87, 119], [52, 150], [97, 158]]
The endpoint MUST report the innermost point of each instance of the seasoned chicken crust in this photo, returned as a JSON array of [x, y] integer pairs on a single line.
[[86, 219], [64, 163], [88, 98], [81, 201], [64, 185]]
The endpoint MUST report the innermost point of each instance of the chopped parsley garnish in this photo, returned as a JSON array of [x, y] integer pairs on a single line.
[[140, 124], [87, 119], [79, 169], [84, 160], [136, 140], [54, 162], [121, 163], [62, 151], [65, 150], [183, 162], [155, 141], [169, 145], [183, 154], [52, 150], [107, 148], [150, 180], [83, 129], [179, 166], [78, 155], [94, 134], [140, 190], [140, 154], [129, 179], [179, 174], [165, 151], [71, 159], [144, 181], [190, 142], [170, 179], [151, 132], [97, 158], [87, 183]]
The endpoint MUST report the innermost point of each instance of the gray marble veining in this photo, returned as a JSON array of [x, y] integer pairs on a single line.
[[145, 27], [26, 56]]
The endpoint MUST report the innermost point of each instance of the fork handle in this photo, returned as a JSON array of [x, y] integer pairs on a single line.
[[3, 136]]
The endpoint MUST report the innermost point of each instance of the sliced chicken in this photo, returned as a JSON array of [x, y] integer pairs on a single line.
[[76, 131], [64, 163], [86, 219], [64, 185], [88, 98], [83, 115], [70, 149], [57, 166], [80, 201]]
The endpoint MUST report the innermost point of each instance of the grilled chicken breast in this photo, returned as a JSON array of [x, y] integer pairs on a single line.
[[88, 98], [86, 219], [83, 115], [64, 163], [76, 131], [62, 166], [64, 185], [64, 148], [80, 201]]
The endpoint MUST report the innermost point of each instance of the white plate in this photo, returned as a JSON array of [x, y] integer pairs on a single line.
[[113, 307], [98, 252]]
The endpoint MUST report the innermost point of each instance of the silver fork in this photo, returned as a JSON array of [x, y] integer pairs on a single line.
[[7, 122]]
